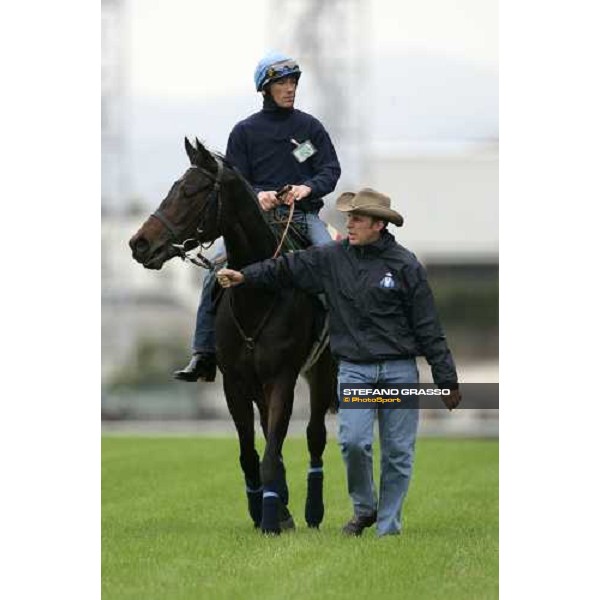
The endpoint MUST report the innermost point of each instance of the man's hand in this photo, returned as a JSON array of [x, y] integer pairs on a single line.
[[296, 192], [229, 278], [453, 400], [268, 200]]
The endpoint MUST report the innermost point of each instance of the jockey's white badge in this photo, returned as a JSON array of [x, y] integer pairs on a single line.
[[303, 151]]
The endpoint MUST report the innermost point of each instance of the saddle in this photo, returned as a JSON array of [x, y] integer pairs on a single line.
[[296, 239]]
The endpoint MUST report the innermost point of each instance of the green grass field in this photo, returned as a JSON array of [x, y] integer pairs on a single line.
[[174, 526]]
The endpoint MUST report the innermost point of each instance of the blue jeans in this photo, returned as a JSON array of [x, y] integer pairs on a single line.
[[316, 229], [204, 334], [397, 435]]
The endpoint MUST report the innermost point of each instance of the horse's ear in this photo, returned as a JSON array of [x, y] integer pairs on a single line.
[[204, 156], [190, 151]]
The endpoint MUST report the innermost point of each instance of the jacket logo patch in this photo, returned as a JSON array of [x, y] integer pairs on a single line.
[[387, 281]]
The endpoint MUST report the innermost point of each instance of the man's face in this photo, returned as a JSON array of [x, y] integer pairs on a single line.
[[283, 91], [362, 229]]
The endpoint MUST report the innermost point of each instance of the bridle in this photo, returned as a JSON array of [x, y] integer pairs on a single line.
[[185, 249], [191, 248]]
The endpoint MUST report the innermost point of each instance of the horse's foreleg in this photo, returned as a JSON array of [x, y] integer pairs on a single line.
[[321, 379], [240, 408], [279, 399]]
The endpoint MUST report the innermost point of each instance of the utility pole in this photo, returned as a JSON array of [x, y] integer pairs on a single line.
[[115, 168], [117, 334], [330, 41]]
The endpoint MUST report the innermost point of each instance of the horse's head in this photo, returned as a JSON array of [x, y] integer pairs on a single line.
[[189, 211]]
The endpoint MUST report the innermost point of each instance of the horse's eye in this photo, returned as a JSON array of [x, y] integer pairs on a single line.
[[190, 188]]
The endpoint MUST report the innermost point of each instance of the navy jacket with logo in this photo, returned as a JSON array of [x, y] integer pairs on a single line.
[[260, 147], [381, 305]]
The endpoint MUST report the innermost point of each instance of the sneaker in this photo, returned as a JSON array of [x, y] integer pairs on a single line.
[[356, 524], [203, 365]]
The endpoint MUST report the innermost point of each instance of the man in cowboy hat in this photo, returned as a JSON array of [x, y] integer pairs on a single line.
[[382, 316]]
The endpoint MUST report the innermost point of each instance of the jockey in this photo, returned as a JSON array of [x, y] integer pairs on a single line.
[[274, 147]]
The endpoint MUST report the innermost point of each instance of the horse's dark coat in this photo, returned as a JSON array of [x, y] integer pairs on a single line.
[[262, 371]]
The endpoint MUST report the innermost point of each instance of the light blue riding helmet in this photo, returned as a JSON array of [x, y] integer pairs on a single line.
[[274, 65]]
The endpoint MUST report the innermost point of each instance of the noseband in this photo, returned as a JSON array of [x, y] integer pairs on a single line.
[[184, 250]]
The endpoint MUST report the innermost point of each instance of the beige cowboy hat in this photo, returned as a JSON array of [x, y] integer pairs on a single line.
[[369, 202]]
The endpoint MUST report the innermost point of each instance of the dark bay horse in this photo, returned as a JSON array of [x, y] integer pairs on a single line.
[[263, 337]]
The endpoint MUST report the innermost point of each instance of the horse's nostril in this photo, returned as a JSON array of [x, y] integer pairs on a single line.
[[141, 246]]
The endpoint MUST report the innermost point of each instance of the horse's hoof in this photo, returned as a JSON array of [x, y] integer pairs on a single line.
[[286, 521], [288, 524], [271, 532], [314, 522]]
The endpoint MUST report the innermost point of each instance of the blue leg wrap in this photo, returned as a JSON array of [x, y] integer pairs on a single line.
[[270, 512], [314, 508], [255, 504]]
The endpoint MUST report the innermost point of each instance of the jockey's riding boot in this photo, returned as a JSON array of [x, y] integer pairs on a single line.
[[203, 365]]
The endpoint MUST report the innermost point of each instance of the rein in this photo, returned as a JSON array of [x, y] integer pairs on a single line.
[[287, 226], [189, 246], [185, 250], [250, 341]]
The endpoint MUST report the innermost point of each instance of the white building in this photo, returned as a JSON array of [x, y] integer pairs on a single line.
[[447, 193], [138, 303]]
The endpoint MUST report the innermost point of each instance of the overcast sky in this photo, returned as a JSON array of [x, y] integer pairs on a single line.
[[191, 48], [433, 76]]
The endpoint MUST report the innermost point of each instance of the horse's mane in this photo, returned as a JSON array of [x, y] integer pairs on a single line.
[[249, 191], [295, 240]]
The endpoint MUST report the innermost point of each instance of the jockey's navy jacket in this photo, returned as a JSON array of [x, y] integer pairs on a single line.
[[381, 305], [260, 147]]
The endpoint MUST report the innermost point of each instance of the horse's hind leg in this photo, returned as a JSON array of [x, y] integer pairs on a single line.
[[322, 382], [240, 408]]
